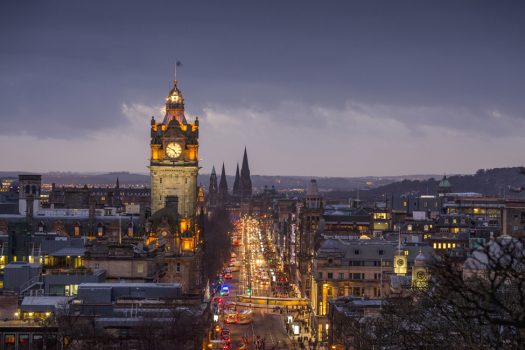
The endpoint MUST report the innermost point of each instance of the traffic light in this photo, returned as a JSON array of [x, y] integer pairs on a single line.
[[249, 292]]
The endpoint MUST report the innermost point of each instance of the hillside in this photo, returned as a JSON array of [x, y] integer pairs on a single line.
[[489, 182]]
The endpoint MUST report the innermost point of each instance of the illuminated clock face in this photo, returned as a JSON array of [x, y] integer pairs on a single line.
[[400, 262], [420, 275], [173, 150]]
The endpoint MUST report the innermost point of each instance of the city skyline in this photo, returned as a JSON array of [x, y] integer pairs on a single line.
[[345, 90]]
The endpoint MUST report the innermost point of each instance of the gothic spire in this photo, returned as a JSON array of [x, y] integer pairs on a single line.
[[223, 185], [212, 189], [237, 183], [246, 181]]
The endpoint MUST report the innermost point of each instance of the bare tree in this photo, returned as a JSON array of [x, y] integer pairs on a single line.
[[478, 305]]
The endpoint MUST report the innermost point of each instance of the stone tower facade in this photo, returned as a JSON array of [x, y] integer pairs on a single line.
[[29, 188], [174, 161]]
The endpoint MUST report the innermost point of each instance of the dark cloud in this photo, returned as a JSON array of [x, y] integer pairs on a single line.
[[66, 68]]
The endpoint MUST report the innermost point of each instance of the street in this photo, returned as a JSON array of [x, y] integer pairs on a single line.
[[252, 275]]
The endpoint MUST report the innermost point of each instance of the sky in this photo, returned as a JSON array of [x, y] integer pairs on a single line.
[[334, 88]]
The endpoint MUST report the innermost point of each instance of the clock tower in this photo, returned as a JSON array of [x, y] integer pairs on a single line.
[[174, 157]]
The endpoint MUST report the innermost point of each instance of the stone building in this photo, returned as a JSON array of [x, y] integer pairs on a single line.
[[174, 224]]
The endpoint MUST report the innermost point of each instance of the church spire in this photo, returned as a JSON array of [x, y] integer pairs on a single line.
[[246, 181], [237, 183], [212, 188], [223, 186]]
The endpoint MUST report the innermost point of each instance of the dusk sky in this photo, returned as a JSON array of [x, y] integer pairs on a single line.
[[324, 88]]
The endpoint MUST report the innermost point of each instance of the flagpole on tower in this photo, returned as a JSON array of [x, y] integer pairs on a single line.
[[177, 64]]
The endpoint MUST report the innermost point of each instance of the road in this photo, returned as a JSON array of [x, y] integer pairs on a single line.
[[266, 323]]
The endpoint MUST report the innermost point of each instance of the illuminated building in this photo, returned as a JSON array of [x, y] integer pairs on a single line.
[[173, 169]]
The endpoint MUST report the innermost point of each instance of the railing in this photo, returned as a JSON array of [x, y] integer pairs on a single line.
[[30, 284], [66, 271]]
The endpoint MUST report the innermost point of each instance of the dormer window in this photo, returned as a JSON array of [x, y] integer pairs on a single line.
[[357, 252]]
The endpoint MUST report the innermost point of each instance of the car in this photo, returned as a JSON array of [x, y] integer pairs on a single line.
[[230, 318], [228, 276]]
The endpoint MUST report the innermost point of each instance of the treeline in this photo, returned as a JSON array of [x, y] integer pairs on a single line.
[[217, 243]]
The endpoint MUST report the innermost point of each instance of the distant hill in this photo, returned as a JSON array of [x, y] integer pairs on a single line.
[[289, 183], [489, 182], [485, 181]]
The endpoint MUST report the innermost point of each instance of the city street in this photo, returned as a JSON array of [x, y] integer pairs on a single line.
[[250, 276]]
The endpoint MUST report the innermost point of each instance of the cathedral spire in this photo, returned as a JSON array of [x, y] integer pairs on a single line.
[[237, 183], [223, 186], [245, 180], [213, 189]]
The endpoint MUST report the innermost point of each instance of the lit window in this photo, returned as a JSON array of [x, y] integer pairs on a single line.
[[435, 245]]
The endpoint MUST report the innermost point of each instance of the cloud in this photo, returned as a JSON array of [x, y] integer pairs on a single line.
[[366, 118], [291, 138]]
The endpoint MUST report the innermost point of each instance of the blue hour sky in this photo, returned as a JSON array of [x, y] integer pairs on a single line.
[[338, 88]]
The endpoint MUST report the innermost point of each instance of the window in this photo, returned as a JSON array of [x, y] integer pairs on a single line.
[[330, 261], [160, 179], [377, 276], [23, 341], [70, 290], [9, 342], [341, 276], [381, 252], [356, 291], [341, 291], [140, 267], [330, 275], [356, 252], [329, 291], [320, 274], [377, 292], [358, 276], [178, 267], [356, 263], [38, 342]]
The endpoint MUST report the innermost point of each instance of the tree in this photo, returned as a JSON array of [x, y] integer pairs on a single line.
[[217, 242], [476, 305]]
